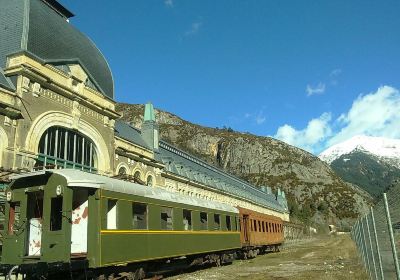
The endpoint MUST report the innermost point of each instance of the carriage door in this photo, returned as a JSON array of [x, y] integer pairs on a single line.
[[245, 228], [79, 230], [34, 225]]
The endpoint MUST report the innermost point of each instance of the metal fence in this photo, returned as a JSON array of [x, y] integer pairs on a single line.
[[377, 236]]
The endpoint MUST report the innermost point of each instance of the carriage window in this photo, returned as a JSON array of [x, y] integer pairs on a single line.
[[263, 226], [112, 214], [251, 225], [15, 210], [203, 221], [139, 213], [166, 218], [228, 223], [255, 225], [56, 214], [187, 219], [259, 226], [217, 222], [270, 227]]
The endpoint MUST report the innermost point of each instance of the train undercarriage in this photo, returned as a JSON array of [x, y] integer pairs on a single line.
[[78, 269]]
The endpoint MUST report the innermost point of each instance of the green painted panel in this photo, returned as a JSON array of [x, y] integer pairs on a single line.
[[134, 247]]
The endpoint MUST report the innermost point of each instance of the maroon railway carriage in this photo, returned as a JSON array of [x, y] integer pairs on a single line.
[[259, 232]]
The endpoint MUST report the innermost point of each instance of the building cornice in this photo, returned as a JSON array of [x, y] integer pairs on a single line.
[[67, 85]]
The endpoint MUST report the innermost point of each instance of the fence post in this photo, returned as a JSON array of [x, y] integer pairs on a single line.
[[372, 249], [389, 222], [377, 244]]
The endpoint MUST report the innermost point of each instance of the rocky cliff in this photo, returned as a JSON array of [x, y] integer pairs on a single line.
[[314, 191]]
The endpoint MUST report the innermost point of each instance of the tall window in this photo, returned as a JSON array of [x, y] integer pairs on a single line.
[[15, 210], [64, 148], [203, 221], [217, 222], [139, 215], [228, 223], [166, 218], [187, 219], [56, 214], [111, 214]]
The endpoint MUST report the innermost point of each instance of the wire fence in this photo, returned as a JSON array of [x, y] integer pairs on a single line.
[[377, 236], [295, 234]]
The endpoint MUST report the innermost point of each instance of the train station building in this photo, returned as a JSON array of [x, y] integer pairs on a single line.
[[57, 110]]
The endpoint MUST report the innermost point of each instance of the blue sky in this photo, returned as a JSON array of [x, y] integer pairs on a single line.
[[311, 73]]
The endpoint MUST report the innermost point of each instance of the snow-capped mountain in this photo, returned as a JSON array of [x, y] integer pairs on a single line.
[[372, 163], [388, 150]]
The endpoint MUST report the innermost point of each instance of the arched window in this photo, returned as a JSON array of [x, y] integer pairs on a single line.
[[149, 181], [137, 175], [122, 171], [64, 148]]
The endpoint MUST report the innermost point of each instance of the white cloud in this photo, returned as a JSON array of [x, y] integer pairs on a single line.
[[374, 114], [195, 28], [309, 138], [335, 72], [260, 118], [169, 3], [318, 89], [334, 75]]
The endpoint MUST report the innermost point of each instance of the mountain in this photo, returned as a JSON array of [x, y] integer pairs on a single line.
[[373, 163], [387, 150], [313, 189]]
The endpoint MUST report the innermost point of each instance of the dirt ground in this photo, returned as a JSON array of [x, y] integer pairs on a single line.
[[328, 257]]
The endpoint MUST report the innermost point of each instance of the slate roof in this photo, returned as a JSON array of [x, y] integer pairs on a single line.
[[186, 165], [34, 27], [129, 133], [4, 82]]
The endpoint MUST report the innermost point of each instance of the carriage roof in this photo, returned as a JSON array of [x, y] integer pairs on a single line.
[[77, 178]]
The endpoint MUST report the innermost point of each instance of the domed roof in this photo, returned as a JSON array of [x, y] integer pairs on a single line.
[[41, 28]]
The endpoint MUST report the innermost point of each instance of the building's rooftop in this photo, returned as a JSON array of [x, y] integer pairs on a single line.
[[183, 164], [129, 133], [40, 28]]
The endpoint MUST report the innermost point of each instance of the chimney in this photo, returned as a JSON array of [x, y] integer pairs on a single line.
[[150, 128]]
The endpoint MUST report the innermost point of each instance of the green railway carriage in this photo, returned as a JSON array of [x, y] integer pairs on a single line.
[[71, 220]]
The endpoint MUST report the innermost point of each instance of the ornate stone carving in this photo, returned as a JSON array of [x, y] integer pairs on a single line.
[[36, 88], [76, 114], [25, 84]]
